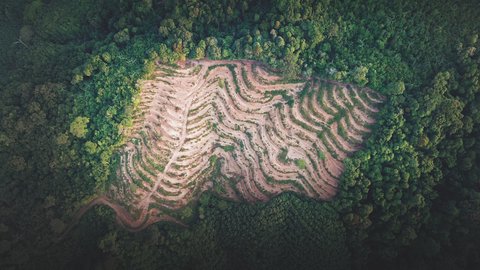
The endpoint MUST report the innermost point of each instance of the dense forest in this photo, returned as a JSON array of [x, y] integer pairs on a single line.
[[410, 199]]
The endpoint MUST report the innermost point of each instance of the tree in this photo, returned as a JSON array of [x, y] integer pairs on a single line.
[[166, 27], [78, 127], [122, 36], [26, 34], [280, 42], [301, 164], [276, 25], [32, 10], [91, 147], [199, 52], [396, 88], [257, 49], [360, 75], [315, 34], [57, 225], [214, 52]]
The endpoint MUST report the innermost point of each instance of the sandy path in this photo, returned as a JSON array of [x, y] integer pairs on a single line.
[[123, 217]]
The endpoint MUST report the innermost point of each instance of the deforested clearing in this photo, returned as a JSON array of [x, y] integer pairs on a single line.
[[241, 131]]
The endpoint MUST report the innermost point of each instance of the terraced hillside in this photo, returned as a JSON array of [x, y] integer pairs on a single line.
[[240, 130]]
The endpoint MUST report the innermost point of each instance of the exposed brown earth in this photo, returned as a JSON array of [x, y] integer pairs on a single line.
[[217, 125]]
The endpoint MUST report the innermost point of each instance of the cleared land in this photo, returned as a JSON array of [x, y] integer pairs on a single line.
[[237, 129]]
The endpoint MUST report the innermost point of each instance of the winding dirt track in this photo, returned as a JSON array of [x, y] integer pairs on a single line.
[[232, 127], [123, 217]]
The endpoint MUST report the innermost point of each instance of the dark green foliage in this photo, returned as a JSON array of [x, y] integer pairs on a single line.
[[320, 154], [283, 155], [228, 148], [288, 98], [300, 163]]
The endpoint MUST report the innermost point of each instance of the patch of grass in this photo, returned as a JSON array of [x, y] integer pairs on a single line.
[[133, 187], [320, 154], [301, 164], [240, 142], [136, 141], [213, 160], [282, 156], [228, 148], [249, 135], [221, 83], [341, 131], [288, 98]]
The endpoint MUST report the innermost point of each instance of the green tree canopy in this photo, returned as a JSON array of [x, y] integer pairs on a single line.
[[79, 127]]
